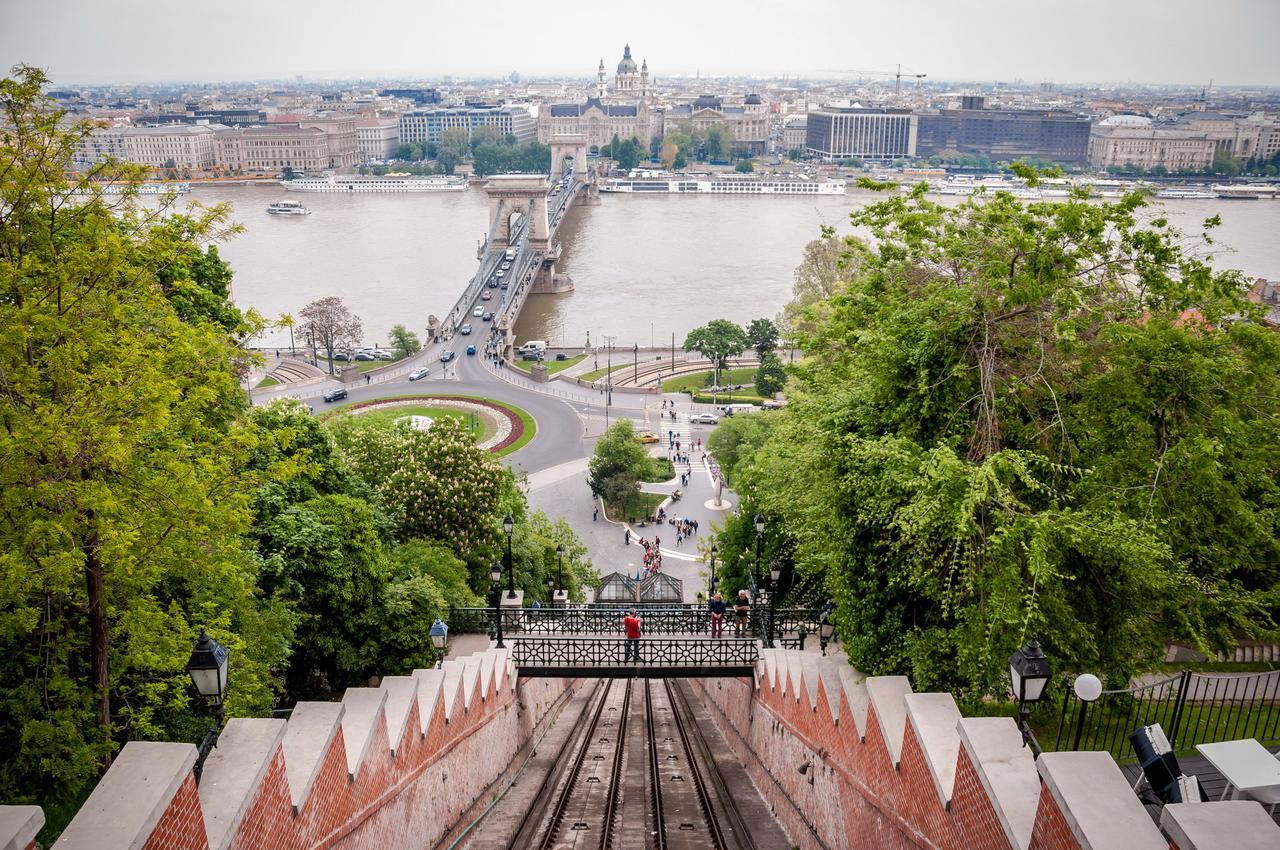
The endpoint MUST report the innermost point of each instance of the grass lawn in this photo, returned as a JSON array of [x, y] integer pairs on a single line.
[[660, 470], [643, 505], [698, 380], [268, 381], [475, 424], [553, 366], [727, 398], [362, 365], [530, 428], [597, 374]]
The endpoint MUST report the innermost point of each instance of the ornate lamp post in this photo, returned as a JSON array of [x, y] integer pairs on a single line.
[[775, 573], [711, 582], [560, 568], [439, 639], [1029, 672], [208, 670], [509, 525], [495, 583]]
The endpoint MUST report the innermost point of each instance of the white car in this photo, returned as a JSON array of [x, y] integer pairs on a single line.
[[418, 374], [705, 419], [478, 312]]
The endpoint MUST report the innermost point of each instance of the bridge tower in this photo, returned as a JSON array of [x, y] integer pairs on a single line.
[[517, 193], [569, 144]]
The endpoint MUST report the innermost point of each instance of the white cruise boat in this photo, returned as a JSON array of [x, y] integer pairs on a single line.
[[1187, 192], [707, 184], [352, 184], [288, 208]]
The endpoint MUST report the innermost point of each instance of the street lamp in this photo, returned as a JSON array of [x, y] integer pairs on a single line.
[[775, 573], [759, 523], [1029, 672], [208, 670], [560, 568], [439, 639], [495, 579], [711, 584], [508, 525]]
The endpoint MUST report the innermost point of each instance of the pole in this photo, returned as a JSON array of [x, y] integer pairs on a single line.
[[497, 612], [673, 352], [635, 363], [773, 607], [511, 572]]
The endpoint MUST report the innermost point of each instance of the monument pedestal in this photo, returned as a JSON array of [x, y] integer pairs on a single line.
[[560, 599], [511, 610]]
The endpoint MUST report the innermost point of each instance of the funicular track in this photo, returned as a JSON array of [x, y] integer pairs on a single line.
[[687, 804]]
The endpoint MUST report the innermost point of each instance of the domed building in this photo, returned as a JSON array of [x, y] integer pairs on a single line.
[[625, 111]]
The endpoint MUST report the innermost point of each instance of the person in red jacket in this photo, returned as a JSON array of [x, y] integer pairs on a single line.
[[631, 625]]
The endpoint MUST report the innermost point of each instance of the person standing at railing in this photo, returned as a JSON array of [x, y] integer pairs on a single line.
[[717, 608], [631, 626], [742, 610]]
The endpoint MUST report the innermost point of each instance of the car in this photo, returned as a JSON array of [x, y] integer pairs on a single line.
[[471, 349], [562, 356], [705, 419], [334, 395], [447, 356], [505, 284], [506, 266], [531, 355], [419, 374], [493, 284], [477, 312], [487, 317], [499, 273], [342, 355], [646, 437], [465, 330], [364, 356], [486, 295]]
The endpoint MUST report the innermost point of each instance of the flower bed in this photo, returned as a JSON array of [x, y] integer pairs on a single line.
[[510, 424]]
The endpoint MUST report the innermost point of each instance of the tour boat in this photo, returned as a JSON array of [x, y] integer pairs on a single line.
[[1189, 192], [351, 184], [288, 208], [726, 184]]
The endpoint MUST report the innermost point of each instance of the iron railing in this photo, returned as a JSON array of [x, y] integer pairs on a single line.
[[606, 619], [1192, 708], [608, 652]]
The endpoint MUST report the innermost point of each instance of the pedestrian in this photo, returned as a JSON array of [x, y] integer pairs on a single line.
[[718, 608], [679, 538], [626, 537], [657, 542], [367, 379], [742, 610], [595, 513], [631, 626], [536, 605], [677, 446]]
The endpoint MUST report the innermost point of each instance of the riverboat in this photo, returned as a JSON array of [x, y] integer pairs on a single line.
[[142, 188], [352, 184], [705, 184], [288, 208], [1187, 193]]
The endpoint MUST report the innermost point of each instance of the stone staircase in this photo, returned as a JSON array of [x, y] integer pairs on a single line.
[[289, 370]]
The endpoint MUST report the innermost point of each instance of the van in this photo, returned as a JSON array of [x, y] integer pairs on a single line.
[[511, 253], [533, 346], [735, 409]]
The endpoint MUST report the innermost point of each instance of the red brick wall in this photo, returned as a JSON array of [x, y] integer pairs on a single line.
[[857, 798], [181, 827]]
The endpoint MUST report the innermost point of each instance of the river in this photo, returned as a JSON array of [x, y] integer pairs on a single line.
[[644, 267]]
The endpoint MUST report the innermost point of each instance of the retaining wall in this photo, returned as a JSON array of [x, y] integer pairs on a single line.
[[884, 767], [398, 766]]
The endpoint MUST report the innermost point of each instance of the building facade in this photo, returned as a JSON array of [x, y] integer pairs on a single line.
[[341, 144], [1005, 134], [275, 147], [1133, 140], [748, 121], [840, 132], [597, 120], [377, 138], [427, 125], [183, 147]]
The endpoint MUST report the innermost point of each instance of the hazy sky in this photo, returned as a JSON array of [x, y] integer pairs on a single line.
[[1153, 41]]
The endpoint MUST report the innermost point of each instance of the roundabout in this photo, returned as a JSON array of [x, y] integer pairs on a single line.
[[498, 427]]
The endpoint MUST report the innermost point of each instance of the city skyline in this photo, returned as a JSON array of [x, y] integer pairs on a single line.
[[80, 42]]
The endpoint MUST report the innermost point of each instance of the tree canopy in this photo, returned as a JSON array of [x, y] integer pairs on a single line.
[[1016, 420], [717, 340]]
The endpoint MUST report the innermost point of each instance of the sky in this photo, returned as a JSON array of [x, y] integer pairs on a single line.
[[1231, 42]]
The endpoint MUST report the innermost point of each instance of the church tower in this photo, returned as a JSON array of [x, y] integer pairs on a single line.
[[600, 84], [627, 80], [644, 78]]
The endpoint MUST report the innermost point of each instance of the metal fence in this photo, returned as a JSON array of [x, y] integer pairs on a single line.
[[1192, 708], [661, 652], [606, 619]]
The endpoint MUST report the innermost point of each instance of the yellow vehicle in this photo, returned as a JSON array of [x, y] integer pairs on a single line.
[[647, 437]]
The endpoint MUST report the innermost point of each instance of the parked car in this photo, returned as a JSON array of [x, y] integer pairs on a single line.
[[562, 356], [487, 317], [342, 355], [447, 356], [384, 355], [477, 312], [465, 330], [705, 419], [364, 356], [419, 374], [334, 395], [471, 349]]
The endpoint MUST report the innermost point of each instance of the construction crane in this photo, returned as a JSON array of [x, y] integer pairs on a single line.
[[897, 75]]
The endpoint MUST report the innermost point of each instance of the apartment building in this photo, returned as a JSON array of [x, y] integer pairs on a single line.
[[1005, 134], [840, 132], [427, 125], [182, 147], [377, 138]]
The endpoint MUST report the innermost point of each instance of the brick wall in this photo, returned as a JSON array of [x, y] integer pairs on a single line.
[[332, 776]]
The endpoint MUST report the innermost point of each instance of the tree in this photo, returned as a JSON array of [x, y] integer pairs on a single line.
[[331, 326], [404, 340], [617, 466], [744, 166], [122, 493], [1029, 420], [453, 147], [762, 335], [668, 154], [715, 141], [717, 340], [628, 156], [770, 376], [286, 320], [1224, 164], [405, 151], [826, 262]]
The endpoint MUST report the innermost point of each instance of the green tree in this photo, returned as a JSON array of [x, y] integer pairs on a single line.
[[762, 335], [197, 281], [122, 494], [1224, 164], [331, 326], [405, 151], [617, 466], [770, 376], [404, 340], [628, 156], [1030, 420], [717, 340], [817, 278], [453, 147], [286, 320], [744, 166]]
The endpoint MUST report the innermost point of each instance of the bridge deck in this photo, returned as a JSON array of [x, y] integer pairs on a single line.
[[606, 657]]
